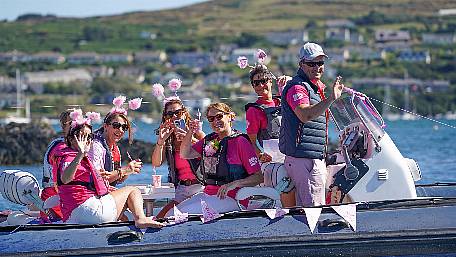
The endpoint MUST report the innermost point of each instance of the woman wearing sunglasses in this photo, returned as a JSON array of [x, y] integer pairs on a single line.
[[105, 154], [181, 172], [228, 162], [84, 195]]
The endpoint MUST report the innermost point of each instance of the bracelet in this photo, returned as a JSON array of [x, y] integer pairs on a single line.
[[119, 172]]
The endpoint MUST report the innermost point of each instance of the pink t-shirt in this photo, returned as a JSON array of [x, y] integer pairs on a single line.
[[298, 94], [184, 171], [240, 151], [256, 119]]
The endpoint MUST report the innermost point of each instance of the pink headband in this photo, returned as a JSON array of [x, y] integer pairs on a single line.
[[133, 104], [78, 119], [159, 91]]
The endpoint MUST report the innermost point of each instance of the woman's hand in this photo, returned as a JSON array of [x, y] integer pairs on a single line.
[[165, 130], [195, 125], [179, 133], [105, 174], [264, 157], [82, 143], [134, 167], [224, 189]]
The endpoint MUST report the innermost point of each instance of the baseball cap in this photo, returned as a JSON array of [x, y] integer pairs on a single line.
[[310, 51]]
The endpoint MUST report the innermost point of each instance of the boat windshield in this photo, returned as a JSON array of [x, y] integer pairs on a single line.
[[350, 109]]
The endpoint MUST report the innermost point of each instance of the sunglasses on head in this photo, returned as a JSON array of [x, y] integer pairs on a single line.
[[218, 116], [313, 64], [258, 82], [117, 125], [172, 113]]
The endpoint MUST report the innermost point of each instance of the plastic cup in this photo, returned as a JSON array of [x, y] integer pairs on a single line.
[[156, 180]]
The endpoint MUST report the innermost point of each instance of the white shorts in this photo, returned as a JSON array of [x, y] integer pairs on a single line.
[[184, 192], [95, 211], [193, 205]]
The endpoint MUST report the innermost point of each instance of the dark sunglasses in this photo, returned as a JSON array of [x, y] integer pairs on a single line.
[[258, 82], [117, 125], [313, 64], [176, 112], [218, 116]]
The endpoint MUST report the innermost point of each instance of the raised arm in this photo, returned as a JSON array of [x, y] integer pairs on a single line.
[[83, 147], [186, 150]]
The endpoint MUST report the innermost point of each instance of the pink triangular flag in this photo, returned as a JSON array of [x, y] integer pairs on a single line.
[[208, 212], [312, 215], [348, 213], [179, 217], [277, 212]]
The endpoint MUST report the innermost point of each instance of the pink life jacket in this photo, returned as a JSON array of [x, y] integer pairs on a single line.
[[93, 181], [87, 182]]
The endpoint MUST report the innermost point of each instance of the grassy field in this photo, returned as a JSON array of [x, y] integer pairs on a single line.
[[190, 27]]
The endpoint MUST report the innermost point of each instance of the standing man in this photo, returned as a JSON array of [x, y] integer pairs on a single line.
[[303, 134]]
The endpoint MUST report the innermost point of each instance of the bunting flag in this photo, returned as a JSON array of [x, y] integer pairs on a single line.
[[348, 213], [312, 215], [208, 213], [277, 212], [179, 217]]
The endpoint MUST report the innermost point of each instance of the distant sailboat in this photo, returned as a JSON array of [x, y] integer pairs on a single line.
[[18, 118]]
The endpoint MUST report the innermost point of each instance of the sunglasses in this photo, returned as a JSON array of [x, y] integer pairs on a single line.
[[258, 82], [313, 64], [117, 125], [218, 116], [176, 112]]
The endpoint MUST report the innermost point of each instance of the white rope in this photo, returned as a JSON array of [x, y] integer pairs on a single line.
[[416, 114]]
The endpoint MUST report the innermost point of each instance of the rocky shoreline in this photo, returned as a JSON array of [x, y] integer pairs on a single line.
[[25, 144]]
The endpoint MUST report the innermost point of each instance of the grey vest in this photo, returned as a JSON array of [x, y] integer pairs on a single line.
[[273, 116], [172, 171], [297, 139], [109, 164]]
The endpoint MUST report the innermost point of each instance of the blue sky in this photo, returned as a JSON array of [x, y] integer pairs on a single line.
[[11, 9]]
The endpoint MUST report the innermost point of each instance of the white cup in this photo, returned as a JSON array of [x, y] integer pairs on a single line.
[[156, 180]]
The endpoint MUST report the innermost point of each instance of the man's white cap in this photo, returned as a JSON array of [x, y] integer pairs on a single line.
[[310, 51]]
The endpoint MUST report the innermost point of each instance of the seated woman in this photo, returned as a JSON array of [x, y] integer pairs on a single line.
[[228, 162], [105, 153], [181, 171], [84, 197]]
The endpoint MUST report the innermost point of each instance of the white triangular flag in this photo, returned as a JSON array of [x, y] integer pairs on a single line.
[[312, 215], [208, 213], [179, 217], [348, 213], [277, 212]]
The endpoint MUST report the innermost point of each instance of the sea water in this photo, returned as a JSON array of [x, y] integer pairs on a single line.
[[431, 144]]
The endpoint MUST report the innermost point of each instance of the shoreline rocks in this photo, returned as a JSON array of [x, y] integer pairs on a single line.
[[25, 144]]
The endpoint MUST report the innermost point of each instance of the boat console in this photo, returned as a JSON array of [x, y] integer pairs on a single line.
[[367, 165]]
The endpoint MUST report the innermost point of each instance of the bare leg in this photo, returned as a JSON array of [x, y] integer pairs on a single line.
[[132, 197], [166, 208]]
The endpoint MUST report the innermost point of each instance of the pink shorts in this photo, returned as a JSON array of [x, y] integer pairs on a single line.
[[309, 176]]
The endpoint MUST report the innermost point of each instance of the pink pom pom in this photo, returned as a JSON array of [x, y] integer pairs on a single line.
[[134, 103], [158, 90], [119, 101], [93, 116], [74, 115], [261, 56], [174, 84], [243, 62]]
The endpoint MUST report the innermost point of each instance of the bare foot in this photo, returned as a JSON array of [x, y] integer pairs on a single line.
[[148, 222]]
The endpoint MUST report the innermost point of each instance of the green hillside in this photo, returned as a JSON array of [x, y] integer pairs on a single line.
[[204, 25]]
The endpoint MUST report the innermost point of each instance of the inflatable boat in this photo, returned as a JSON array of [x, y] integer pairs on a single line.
[[374, 208]]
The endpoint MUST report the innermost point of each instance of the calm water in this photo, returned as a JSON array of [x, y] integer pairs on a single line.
[[430, 144]]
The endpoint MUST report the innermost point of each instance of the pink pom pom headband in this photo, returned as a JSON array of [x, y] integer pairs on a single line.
[[118, 102], [159, 91], [243, 62], [78, 119]]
